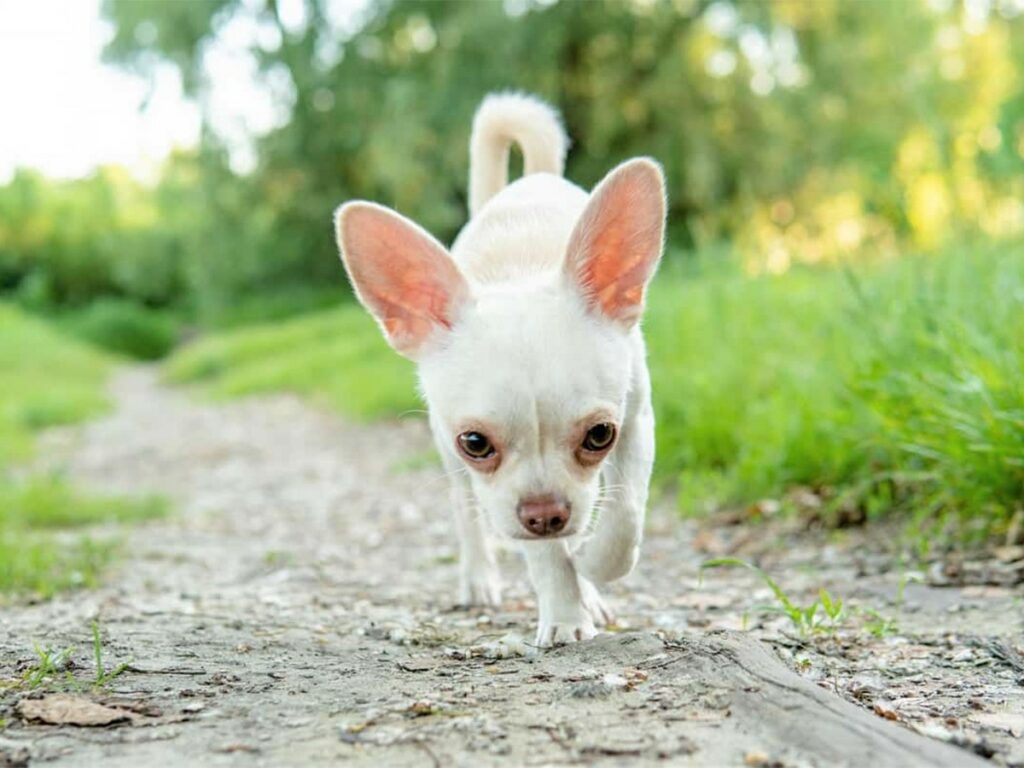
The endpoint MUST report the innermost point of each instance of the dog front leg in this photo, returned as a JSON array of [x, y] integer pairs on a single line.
[[563, 617], [479, 582], [612, 551]]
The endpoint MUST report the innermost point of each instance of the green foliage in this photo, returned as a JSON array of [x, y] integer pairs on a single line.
[[878, 625], [50, 667], [894, 387], [64, 243], [277, 305], [173, 29], [125, 327], [755, 108], [803, 132], [890, 388]]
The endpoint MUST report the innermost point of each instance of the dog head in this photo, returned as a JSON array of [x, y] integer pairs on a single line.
[[527, 383]]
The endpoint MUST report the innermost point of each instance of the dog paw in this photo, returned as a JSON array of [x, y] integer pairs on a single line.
[[564, 632], [594, 604], [480, 590]]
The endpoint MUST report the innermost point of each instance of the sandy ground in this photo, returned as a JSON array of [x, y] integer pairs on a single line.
[[297, 609]]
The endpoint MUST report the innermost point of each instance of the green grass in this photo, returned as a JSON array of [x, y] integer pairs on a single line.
[[822, 615], [47, 502], [33, 564], [46, 544], [336, 358], [891, 388], [827, 613], [47, 379], [896, 387], [53, 670]]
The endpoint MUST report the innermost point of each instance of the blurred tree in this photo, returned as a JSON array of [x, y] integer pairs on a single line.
[[752, 106], [801, 131]]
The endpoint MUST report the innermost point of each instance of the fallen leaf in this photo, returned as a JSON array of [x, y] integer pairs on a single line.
[[422, 708], [757, 759], [66, 709], [884, 709], [634, 676]]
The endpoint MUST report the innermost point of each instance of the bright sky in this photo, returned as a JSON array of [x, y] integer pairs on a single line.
[[64, 112]]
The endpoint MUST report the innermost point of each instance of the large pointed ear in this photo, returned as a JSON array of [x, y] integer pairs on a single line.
[[401, 274], [618, 240]]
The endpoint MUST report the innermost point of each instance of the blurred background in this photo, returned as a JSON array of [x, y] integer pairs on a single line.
[[187, 155], [838, 321]]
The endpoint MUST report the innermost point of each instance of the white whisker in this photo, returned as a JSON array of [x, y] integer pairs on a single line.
[[431, 482]]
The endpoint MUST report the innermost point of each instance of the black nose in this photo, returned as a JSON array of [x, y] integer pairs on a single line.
[[544, 515]]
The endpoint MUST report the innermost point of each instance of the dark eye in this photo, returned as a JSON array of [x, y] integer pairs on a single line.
[[476, 445], [599, 437]]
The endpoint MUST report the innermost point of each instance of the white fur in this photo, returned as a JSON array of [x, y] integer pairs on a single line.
[[504, 119], [529, 354]]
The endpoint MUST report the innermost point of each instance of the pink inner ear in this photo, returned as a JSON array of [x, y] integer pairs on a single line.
[[402, 275], [616, 245]]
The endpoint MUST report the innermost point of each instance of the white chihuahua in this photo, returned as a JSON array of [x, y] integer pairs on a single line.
[[529, 356]]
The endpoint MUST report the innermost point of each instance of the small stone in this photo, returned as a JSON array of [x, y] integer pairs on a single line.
[[757, 759]]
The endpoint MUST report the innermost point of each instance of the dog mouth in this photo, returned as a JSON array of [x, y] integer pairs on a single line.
[[526, 536]]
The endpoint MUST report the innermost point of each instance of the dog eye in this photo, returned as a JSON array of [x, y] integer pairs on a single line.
[[599, 437], [476, 445]]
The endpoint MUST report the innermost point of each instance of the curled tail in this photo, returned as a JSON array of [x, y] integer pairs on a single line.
[[501, 120]]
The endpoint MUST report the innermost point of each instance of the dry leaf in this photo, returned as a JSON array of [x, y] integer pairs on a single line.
[[884, 709], [634, 676], [66, 709], [758, 759], [422, 709]]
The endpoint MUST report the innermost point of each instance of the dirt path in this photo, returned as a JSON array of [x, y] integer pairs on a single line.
[[296, 610]]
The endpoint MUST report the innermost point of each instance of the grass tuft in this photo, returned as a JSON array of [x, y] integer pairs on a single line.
[[54, 669], [826, 614], [102, 675]]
